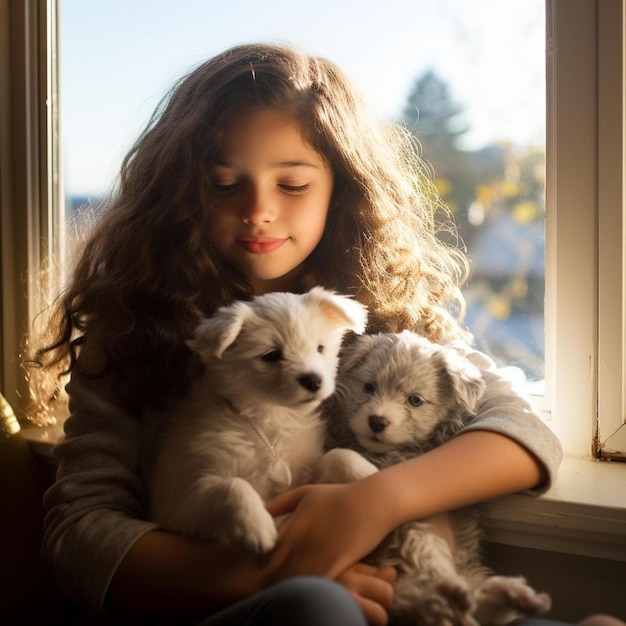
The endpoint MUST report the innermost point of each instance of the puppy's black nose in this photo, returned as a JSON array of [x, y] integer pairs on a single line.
[[377, 423], [311, 382]]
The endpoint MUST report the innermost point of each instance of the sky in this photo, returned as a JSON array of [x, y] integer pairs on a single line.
[[119, 57]]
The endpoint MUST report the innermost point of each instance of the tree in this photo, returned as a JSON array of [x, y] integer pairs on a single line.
[[430, 114], [433, 117]]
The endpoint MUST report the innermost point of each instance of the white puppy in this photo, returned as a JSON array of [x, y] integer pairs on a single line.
[[250, 426], [398, 396]]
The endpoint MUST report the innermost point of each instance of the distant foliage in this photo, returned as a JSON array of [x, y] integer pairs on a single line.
[[497, 196]]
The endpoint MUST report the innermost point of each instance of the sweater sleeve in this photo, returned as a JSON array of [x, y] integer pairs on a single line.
[[507, 409], [96, 507]]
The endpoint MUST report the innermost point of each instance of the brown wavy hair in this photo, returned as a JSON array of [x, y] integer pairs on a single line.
[[148, 272]]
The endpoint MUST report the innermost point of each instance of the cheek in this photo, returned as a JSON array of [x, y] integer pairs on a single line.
[[222, 222], [312, 220]]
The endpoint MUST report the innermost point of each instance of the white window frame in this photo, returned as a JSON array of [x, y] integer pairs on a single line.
[[585, 230], [585, 307], [584, 513]]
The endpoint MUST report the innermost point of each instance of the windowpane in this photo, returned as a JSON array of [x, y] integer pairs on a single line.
[[468, 79]]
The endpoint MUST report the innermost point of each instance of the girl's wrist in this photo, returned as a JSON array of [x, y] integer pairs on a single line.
[[389, 504], [410, 490]]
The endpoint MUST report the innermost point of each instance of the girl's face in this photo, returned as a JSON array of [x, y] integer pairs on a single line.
[[272, 196]]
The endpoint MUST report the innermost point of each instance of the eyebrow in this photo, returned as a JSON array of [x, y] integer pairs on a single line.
[[280, 165]]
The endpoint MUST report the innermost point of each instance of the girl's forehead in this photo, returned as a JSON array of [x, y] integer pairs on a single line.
[[274, 136], [262, 118]]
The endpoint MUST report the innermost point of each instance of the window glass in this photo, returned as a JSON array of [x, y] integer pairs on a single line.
[[467, 77]]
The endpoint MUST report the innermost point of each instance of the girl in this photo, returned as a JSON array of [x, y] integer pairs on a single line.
[[262, 171]]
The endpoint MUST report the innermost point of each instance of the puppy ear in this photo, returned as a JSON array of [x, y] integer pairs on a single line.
[[467, 382], [353, 354], [213, 335], [342, 310]]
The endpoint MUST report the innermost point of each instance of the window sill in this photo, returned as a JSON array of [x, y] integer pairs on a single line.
[[584, 513]]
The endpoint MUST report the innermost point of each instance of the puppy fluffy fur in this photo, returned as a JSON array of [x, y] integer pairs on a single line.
[[250, 426], [398, 396]]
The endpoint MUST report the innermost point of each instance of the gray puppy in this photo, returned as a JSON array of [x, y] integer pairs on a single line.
[[398, 396]]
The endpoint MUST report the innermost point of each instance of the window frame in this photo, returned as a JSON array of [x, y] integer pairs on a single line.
[[571, 267], [585, 226], [31, 208], [575, 516], [610, 441], [585, 307]]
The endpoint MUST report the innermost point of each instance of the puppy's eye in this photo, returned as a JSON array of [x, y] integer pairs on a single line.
[[415, 400], [369, 387], [320, 349], [272, 356]]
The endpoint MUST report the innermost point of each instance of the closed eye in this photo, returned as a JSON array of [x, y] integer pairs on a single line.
[[272, 356], [294, 188], [225, 188]]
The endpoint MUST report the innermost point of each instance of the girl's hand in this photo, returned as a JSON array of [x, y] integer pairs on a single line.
[[329, 529], [372, 588]]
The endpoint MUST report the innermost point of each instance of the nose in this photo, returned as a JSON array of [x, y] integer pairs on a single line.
[[377, 423], [257, 208], [311, 382]]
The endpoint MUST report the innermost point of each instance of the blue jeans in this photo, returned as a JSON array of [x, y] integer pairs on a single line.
[[308, 601], [538, 621], [301, 601]]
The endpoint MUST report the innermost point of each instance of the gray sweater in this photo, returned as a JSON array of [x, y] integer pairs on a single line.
[[98, 506]]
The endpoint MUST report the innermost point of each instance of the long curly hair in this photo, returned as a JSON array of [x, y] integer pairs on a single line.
[[148, 272]]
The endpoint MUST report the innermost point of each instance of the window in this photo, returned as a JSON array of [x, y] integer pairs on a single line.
[[585, 234], [584, 231], [473, 95]]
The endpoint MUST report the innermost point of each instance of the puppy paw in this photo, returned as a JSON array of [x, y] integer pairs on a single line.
[[250, 526], [256, 535], [341, 465], [457, 592], [501, 599]]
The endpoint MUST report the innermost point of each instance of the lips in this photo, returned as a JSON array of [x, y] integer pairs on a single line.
[[261, 245]]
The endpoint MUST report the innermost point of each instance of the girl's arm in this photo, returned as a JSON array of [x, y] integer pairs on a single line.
[[168, 573], [506, 448], [333, 526]]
